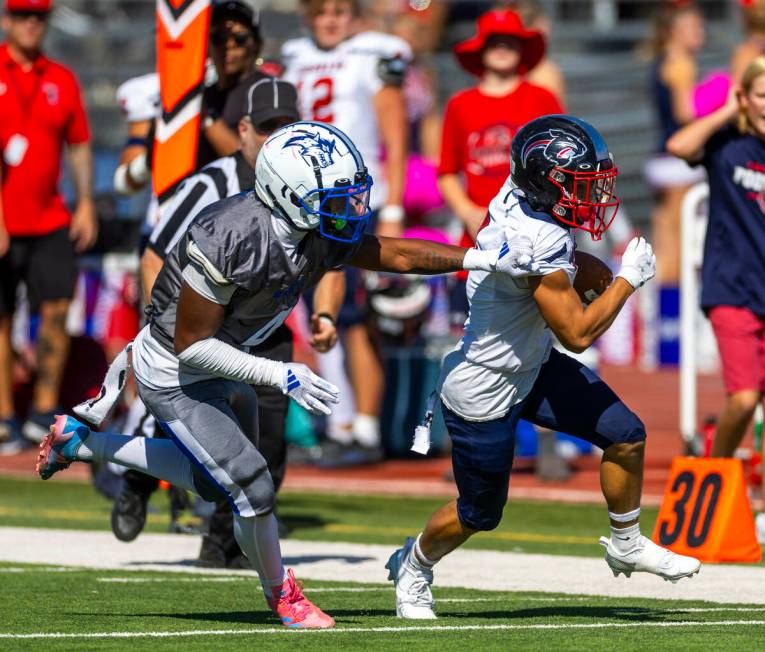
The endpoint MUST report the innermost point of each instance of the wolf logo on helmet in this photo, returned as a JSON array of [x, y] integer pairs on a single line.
[[314, 149], [312, 175]]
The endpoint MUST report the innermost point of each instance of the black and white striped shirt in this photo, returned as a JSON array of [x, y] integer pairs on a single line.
[[222, 178]]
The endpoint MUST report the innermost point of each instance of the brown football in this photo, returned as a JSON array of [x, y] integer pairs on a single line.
[[592, 277]]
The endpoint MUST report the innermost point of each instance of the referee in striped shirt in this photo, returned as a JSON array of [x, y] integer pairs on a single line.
[[269, 105]]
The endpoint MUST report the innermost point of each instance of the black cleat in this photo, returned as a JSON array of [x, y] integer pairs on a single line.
[[129, 513]]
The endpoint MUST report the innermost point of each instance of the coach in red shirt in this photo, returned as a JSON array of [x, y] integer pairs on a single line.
[[40, 111], [480, 122]]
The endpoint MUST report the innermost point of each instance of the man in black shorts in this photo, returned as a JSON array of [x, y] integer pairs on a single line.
[[42, 111]]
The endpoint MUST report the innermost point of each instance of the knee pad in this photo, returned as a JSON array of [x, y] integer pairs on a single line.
[[635, 432], [483, 517], [624, 427]]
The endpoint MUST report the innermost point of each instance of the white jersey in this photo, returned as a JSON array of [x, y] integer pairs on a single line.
[[506, 338], [139, 98], [338, 86]]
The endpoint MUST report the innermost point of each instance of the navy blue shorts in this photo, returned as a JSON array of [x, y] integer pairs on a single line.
[[567, 397]]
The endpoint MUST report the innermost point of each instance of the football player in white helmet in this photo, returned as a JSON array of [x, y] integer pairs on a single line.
[[230, 282]]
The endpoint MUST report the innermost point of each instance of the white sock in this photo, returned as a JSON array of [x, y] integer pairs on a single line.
[[625, 539], [418, 557], [258, 537], [366, 430], [340, 433], [160, 458]]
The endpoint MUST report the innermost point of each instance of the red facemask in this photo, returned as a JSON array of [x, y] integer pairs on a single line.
[[587, 199]]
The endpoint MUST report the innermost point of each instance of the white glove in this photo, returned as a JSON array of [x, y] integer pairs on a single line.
[[638, 263], [307, 389], [515, 257]]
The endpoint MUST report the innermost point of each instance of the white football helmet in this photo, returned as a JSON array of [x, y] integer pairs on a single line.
[[311, 174]]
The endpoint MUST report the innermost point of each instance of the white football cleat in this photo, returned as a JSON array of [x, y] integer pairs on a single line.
[[647, 557], [412, 581]]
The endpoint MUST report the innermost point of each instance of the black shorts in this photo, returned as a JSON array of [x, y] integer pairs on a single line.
[[46, 264]]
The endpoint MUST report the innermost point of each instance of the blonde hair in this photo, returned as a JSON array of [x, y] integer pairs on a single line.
[[753, 71]]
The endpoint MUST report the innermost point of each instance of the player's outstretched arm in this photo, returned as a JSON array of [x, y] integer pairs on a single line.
[[413, 256], [577, 326], [407, 256]]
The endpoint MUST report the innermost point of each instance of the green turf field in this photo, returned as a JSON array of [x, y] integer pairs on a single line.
[[549, 528], [50, 608], [109, 610]]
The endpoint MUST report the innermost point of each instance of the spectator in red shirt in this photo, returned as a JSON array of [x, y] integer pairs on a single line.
[[479, 123], [40, 110]]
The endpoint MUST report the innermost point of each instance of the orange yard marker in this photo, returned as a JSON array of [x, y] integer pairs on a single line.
[[705, 512]]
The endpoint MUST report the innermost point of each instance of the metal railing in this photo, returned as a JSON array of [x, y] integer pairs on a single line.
[[693, 226]]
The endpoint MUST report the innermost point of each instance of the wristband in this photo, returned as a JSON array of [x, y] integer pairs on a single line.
[[479, 260], [391, 213], [138, 170], [326, 317], [121, 184]]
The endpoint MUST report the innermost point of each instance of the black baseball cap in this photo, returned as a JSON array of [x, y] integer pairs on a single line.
[[271, 98], [236, 10]]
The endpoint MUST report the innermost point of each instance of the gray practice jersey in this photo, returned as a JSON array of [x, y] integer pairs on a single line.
[[233, 256]]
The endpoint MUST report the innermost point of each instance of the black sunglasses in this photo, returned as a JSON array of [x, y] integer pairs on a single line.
[[26, 14], [220, 38]]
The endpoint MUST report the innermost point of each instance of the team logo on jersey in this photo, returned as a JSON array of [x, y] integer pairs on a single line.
[[557, 147], [51, 93], [314, 149]]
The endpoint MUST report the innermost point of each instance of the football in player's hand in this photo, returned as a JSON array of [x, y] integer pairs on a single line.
[[593, 276]]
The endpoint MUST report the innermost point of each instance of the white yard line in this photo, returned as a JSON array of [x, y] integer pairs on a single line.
[[312, 560], [380, 630]]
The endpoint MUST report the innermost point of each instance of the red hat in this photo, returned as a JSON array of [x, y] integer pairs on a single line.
[[41, 6], [470, 53]]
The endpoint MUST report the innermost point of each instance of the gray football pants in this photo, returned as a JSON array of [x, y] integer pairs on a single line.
[[215, 424]]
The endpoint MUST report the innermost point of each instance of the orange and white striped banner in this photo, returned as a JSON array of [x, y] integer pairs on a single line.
[[182, 35]]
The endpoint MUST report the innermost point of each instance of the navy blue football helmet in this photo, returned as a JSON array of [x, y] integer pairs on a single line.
[[564, 168]]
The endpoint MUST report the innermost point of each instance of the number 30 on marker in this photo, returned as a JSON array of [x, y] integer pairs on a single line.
[[705, 512]]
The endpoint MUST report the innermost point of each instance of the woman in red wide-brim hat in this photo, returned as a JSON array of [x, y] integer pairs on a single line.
[[531, 44], [480, 122]]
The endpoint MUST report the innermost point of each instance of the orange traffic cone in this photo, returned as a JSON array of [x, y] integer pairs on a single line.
[[705, 512]]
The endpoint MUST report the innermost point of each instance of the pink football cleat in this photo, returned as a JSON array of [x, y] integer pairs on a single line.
[[60, 446], [294, 609]]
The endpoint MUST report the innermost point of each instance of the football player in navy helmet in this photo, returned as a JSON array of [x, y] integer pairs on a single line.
[[505, 368], [564, 168]]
